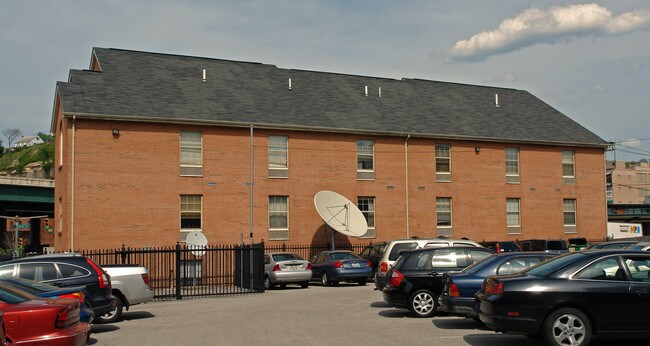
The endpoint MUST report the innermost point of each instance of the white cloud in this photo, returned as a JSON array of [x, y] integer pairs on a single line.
[[555, 24]]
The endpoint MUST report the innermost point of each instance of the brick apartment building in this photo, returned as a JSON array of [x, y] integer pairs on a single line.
[[627, 183], [152, 146]]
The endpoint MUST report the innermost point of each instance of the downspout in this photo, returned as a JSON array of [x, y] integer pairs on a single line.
[[74, 118], [406, 168]]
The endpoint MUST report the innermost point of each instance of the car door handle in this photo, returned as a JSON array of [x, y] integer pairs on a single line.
[[58, 284]]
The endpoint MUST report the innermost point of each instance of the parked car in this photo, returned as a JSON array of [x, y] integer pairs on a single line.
[[393, 248], [611, 245], [577, 244], [3, 334], [501, 246], [416, 278], [66, 270], [569, 298], [556, 245], [640, 246], [282, 268], [129, 286], [41, 321], [459, 288], [331, 267], [374, 253], [42, 290]]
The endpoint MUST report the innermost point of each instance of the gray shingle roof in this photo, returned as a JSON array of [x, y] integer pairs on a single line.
[[136, 86]]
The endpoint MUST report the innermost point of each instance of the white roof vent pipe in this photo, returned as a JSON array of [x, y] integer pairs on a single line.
[[204, 75], [379, 91], [366, 90], [496, 100], [289, 83]]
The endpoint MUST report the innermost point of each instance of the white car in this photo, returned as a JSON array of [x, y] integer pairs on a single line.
[[282, 268]]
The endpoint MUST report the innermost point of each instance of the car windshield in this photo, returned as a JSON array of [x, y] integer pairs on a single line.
[[508, 246], [11, 295], [286, 257], [30, 286], [553, 265], [343, 256], [476, 267]]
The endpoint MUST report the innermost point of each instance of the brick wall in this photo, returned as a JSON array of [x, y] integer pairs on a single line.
[[127, 187]]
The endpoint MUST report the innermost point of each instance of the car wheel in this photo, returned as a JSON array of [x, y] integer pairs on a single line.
[[268, 285], [304, 284], [567, 326], [114, 315], [362, 282], [423, 303], [325, 280]]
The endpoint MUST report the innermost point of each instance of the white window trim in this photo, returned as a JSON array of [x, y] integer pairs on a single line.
[[180, 148], [269, 154], [575, 211], [573, 164], [518, 163], [435, 156], [373, 155], [269, 219], [180, 215], [451, 213]]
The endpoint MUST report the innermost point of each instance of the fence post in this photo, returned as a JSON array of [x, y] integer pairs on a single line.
[[178, 271], [123, 254]]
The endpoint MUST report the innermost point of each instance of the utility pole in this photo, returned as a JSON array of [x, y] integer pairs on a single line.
[[16, 226]]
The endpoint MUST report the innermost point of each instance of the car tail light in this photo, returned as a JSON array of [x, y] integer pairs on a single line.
[[308, 266], [338, 264], [103, 280], [368, 264], [77, 295], [453, 290], [276, 268], [145, 278], [383, 267], [396, 278], [493, 287], [67, 316]]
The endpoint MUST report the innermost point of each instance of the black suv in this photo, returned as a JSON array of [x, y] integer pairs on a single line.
[[416, 279], [374, 253], [548, 245], [65, 270]]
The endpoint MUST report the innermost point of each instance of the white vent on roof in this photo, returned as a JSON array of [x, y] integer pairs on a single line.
[[379, 91], [496, 100], [204, 74], [366, 90], [289, 83]]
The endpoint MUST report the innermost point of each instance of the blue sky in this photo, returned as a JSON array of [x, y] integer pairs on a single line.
[[590, 60]]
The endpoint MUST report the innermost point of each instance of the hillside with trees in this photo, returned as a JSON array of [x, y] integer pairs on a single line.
[[35, 161]]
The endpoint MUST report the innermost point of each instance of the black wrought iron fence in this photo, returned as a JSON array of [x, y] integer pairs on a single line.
[[180, 271]]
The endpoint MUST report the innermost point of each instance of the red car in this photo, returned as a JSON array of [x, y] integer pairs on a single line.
[[29, 320]]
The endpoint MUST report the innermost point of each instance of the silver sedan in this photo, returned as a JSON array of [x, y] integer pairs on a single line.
[[282, 268]]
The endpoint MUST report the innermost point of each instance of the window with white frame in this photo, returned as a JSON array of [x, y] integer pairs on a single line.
[[367, 207], [512, 165], [570, 216], [278, 217], [278, 156], [443, 162], [190, 206], [365, 159], [568, 164], [191, 153], [513, 215], [443, 212]]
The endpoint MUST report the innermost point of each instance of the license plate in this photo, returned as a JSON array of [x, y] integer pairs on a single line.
[[356, 265]]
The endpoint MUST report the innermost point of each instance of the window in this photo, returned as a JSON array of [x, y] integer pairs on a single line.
[[443, 162], [38, 271], [607, 269], [513, 217], [365, 159], [570, 216], [443, 215], [639, 268], [278, 156], [568, 165], [512, 165], [367, 207], [278, 217], [190, 214], [191, 153]]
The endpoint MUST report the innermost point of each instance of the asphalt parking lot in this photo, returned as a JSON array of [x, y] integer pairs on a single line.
[[344, 315]]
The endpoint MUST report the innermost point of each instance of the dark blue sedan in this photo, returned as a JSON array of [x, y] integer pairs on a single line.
[[331, 267], [458, 294]]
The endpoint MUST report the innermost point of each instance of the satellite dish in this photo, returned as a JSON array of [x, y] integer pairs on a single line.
[[197, 242], [340, 214]]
